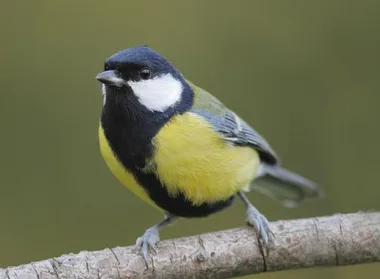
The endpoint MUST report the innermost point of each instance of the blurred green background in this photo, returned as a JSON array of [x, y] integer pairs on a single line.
[[305, 75]]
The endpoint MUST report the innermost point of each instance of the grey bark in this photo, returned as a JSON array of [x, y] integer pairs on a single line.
[[324, 241]]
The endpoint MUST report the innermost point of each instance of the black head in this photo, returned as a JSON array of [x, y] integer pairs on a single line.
[[139, 63], [145, 74]]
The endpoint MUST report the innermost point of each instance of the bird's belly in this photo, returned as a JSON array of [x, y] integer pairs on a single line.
[[192, 160], [150, 189]]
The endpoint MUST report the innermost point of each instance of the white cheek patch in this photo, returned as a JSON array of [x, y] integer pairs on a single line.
[[159, 93], [104, 92]]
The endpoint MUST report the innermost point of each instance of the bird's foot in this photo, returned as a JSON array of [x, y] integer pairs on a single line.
[[148, 240], [261, 224]]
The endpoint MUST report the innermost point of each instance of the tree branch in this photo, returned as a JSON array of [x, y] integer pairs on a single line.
[[324, 241]]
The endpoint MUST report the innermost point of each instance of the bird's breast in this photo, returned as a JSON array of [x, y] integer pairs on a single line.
[[192, 159], [186, 168]]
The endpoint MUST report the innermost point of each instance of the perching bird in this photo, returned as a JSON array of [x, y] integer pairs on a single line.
[[180, 149]]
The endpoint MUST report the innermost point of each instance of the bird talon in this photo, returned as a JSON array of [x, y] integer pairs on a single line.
[[148, 241], [261, 224], [273, 236], [138, 243]]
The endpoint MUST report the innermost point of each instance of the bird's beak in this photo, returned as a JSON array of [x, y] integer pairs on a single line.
[[110, 78]]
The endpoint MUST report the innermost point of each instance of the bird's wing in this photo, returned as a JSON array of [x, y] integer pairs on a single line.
[[231, 127]]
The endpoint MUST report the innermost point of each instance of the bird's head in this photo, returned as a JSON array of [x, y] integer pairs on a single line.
[[143, 75]]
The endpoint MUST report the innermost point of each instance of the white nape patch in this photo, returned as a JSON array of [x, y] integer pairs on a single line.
[[159, 93], [104, 93]]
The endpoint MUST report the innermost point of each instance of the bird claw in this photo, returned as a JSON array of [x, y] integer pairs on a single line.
[[148, 240], [261, 224]]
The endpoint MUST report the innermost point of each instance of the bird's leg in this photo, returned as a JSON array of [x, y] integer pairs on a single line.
[[256, 219], [151, 236]]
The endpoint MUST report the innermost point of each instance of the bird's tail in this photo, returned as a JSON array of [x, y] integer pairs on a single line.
[[284, 185]]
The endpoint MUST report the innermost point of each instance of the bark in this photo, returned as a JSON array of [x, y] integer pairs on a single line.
[[324, 241]]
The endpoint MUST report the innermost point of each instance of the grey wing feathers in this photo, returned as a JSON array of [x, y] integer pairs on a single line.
[[274, 181], [285, 186], [230, 125], [248, 136]]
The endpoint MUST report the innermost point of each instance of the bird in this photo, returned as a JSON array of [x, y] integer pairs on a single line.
[[181, 150]]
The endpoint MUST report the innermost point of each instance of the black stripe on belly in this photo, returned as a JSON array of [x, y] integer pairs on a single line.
[[178, 205]]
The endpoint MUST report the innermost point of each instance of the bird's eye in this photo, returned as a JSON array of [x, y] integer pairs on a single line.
[[145, 73]]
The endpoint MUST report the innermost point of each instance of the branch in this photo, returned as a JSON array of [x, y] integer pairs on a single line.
[[324, 241]]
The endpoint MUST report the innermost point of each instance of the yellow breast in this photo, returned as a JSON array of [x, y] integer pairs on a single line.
[[118, 170], [193, 159]]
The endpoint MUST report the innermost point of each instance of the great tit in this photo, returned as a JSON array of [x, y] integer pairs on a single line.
[[180, 149]]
